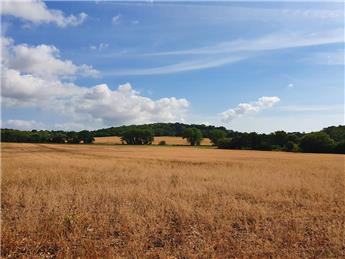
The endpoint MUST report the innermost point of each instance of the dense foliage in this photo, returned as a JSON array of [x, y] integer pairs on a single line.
[[45, 136], [137, 136], [193, 136], [318, 142], [314, 142], [159, 129], [216, 135], [329, 140]]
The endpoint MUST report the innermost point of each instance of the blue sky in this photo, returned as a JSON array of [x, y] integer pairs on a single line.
[[246, 66]]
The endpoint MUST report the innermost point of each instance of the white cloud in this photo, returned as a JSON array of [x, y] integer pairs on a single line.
[[253, 107], [87, 70], [43, 61], [115, 19], [290, 85], [37, 12], [32, 77], [25, 89], [125, 105]]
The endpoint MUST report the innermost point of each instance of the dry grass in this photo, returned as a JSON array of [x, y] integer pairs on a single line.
[[169, 140], [94, 201]]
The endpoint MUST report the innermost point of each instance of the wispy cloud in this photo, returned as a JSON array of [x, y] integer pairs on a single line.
[[178, 67], [233, 51], [269, 42]]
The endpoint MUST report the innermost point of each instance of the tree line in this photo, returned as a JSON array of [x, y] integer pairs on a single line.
[[158, 129], [328, 140], [45, 136]]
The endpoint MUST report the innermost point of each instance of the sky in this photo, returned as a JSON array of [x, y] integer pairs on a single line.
[[253, 66]]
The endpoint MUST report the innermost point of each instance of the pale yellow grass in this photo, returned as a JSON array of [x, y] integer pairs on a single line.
[[102, 201], [169, 140]]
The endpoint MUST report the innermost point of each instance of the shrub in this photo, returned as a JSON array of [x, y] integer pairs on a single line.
[[162, 143]]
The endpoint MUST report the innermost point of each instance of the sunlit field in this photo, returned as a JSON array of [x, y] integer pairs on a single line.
[[169, 140], [95, 201]]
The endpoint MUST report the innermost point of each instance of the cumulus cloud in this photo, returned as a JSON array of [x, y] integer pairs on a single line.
[[20, 89], [125, 105], [253, 107], [37, 12], [43, 61], [32, 76]]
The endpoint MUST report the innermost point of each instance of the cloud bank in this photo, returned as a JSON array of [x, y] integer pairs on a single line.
[[34, 77]]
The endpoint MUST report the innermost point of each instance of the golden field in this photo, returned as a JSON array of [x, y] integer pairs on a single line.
[[104, 201], [168, 139]]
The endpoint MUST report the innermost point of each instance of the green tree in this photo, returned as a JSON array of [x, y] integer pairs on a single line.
[[136, 136], [193, 136], [317, 142], [86, 137], [73, 137], [290, 146], [337, 133], [255, 140], [340, 148], [224, 143], [215, 135], [279, 138], [58, 137]]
